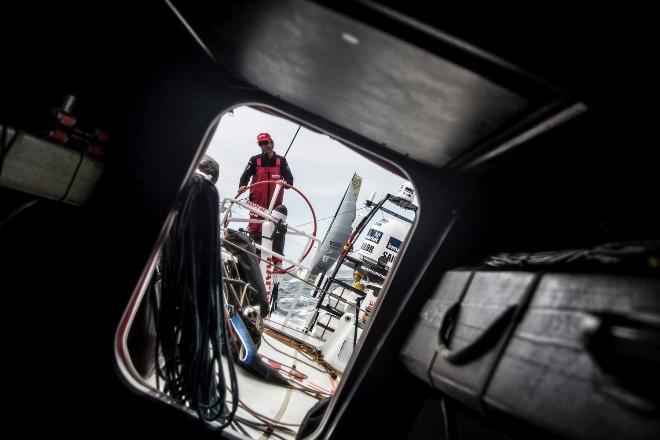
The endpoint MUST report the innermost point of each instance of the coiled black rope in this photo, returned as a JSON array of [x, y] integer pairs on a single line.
[[192, 329]]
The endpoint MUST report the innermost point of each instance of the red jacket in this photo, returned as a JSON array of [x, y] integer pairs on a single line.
[[262, 194]]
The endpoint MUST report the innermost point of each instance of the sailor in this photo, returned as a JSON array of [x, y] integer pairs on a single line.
[[267, 166]]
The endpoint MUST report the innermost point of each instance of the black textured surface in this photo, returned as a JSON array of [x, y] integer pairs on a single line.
[[549, 376]]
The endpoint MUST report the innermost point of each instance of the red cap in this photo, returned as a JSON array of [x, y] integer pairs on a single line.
[[261, 137]]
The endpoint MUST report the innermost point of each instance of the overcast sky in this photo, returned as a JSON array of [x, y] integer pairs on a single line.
[[322, 167]]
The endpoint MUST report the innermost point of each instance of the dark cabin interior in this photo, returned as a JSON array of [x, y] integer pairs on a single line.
[[548, 146]]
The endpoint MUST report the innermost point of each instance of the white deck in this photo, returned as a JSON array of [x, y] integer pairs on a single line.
[[266, 407], [283, 408]]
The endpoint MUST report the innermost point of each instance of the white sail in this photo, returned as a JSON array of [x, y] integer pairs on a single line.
[[339, 229]]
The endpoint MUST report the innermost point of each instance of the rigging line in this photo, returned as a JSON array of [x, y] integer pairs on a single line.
[[337, 202], [273, 323], [309, 351], [265, 420], [237, 426], [264, 427], [311, 392], [331, 216], [192, 32], [305, 363], [294, 138], [234, 205], [387, 185], [303, 245], [288, 355], [312, 354], [337, 211]]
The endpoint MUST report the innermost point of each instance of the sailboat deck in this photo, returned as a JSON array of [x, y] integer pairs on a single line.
[[278, 408]]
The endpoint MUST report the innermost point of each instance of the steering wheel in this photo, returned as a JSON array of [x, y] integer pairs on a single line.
[[309, 205]]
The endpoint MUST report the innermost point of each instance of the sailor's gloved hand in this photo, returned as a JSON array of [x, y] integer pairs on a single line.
[[241, 189], [281, 182]]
